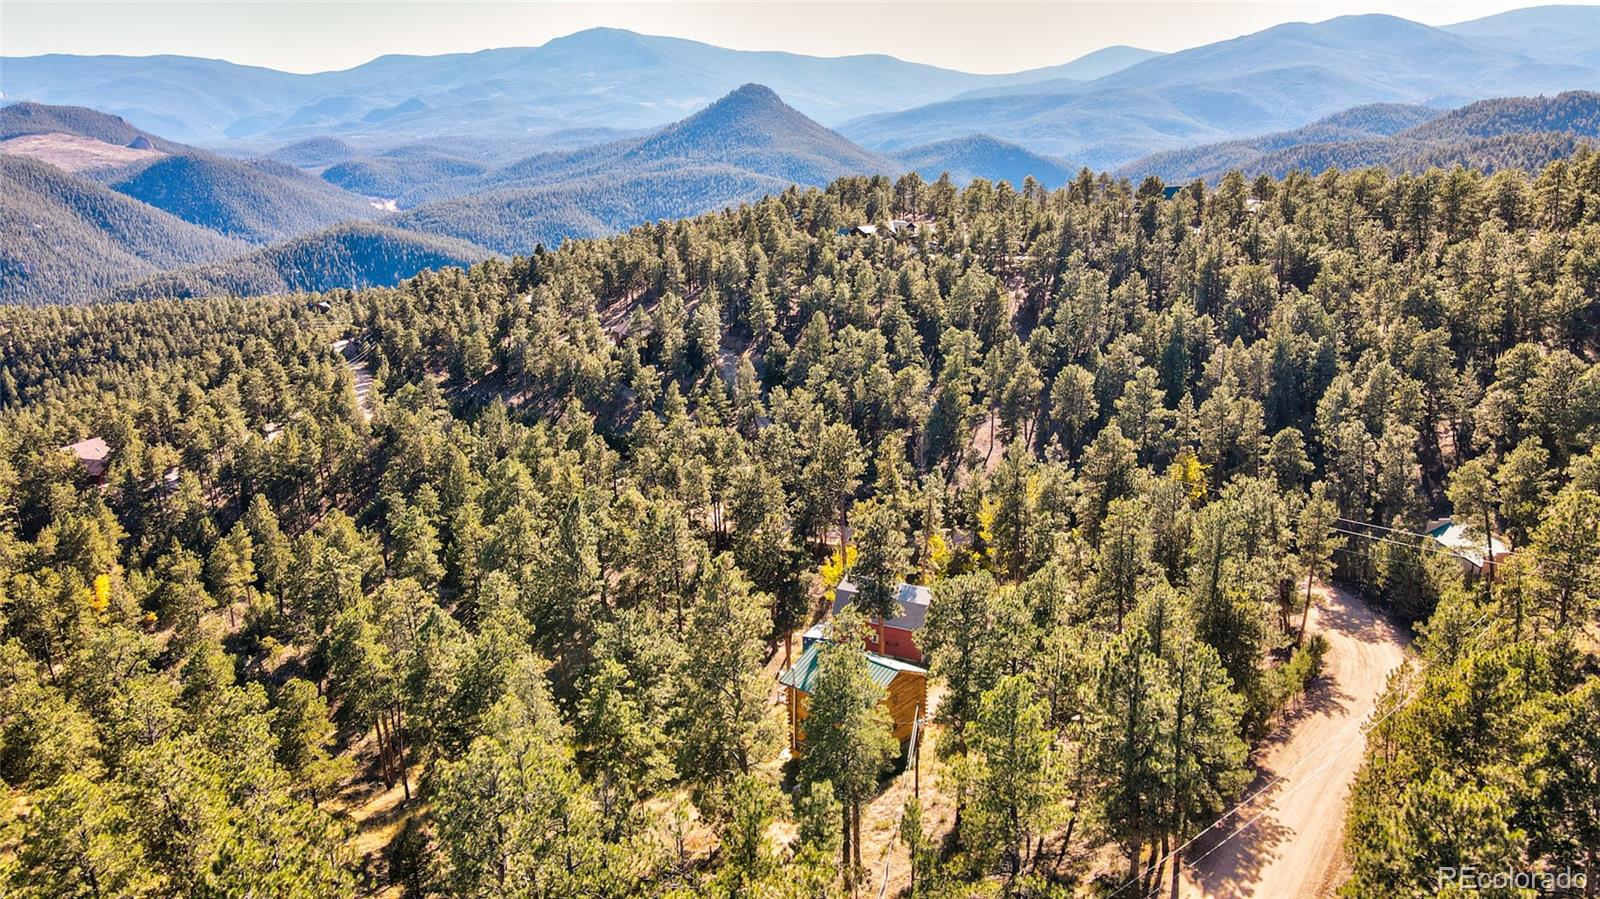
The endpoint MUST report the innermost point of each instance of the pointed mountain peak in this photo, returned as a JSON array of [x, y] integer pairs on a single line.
[[753, 111], [754, 128], [753, 93], [748, 100]]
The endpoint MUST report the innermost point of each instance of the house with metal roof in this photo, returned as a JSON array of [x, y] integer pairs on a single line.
[[905, 690], [1470, 549], [858, 230], [899, 632]]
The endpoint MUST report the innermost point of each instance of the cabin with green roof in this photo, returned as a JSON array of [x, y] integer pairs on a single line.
[[905, 691]]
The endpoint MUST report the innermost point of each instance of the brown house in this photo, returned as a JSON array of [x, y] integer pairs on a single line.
[[905, 691], [94, 455]]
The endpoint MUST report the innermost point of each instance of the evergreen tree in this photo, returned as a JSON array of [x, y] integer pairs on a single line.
[[848, 734], [723, 696]]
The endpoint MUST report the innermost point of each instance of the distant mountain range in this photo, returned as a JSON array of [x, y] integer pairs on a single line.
[[206, 207], [362, 185], [1277, 79], [1102, 110], [1518, 132], [602, 77]]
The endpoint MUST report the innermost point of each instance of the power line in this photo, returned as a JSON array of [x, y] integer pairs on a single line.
[[1369, 524], [1538, 562], [1416, 688], [1480, 628], [1423, 549]]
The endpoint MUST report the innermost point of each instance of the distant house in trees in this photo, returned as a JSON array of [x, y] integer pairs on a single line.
[[320, 306], [905, 691], [911, 227], [94, 455], [1469, 550], [900, 630], [858, 231]]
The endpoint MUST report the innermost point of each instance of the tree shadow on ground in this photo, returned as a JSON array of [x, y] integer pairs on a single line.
[[1322, 697], [1348, 615], [1235, 858]]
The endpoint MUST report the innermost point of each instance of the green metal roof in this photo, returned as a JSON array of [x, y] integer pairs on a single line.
[[882, 669]]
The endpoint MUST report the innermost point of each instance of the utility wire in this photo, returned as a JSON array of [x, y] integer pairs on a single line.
[[1411, 694], [1586, 582], [1480, 629]]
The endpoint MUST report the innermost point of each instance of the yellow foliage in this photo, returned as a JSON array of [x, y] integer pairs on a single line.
[[986, 512], [832, 572], [101, 597], [938, 558], [1191, 472]]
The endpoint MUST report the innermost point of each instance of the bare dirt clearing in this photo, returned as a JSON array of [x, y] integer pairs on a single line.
[[1293, 847], [74, 153]]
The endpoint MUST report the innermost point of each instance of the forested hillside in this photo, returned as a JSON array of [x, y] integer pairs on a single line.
[[20, 119], [257, 201], [737, 149], [752, 128], [1374, 120], [981, 156], [394, 176], [354, 255], [67, 238], [509, 624], [518, 220]]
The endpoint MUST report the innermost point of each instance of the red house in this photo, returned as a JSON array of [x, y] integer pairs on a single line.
[[900, 631]]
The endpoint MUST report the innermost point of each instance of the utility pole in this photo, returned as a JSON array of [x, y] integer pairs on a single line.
[[916, 754]]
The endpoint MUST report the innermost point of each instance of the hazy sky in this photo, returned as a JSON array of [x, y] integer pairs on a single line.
[[303, 36]]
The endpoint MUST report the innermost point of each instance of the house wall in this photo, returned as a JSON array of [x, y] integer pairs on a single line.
[[797, 719], [797, 714], [898, 642], [906, 696]]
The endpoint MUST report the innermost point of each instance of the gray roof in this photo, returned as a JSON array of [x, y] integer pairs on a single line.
[[912, 600]]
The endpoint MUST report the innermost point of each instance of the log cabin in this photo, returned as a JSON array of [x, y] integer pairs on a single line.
[[905, 691]]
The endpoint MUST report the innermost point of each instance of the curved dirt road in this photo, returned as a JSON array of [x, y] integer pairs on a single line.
[[1292, 849]]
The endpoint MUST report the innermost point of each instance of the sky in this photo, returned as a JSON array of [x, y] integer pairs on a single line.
[[304, 36]]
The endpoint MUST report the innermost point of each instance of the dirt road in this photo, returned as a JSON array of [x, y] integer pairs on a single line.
[[1292, 850], [360, 363]]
